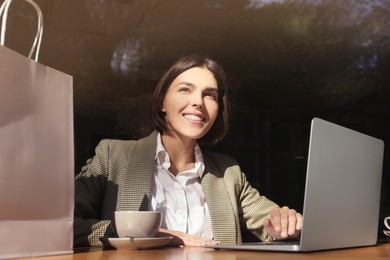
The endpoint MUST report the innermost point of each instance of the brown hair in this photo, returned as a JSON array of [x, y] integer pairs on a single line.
[[220, 126]]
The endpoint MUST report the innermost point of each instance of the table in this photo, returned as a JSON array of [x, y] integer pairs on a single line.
[[381, 251]]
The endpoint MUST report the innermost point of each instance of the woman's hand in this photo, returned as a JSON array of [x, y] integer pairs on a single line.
[[283, 223], [183, 239]]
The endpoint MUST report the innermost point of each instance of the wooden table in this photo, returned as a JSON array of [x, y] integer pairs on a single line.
[[381, 251]]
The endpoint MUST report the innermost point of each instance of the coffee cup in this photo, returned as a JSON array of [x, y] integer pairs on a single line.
[[386, 221], [136, 224]]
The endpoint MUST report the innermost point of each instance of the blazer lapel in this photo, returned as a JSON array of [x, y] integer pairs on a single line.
[[218, 200], [139, 177]]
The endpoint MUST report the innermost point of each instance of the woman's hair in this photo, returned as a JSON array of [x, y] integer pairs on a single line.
[[220, 126]]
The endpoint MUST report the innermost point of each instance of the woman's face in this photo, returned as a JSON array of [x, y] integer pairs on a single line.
[[191, 103]]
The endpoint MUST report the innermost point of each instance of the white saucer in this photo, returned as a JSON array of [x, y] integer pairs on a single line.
[[387, 232], [135, 243]]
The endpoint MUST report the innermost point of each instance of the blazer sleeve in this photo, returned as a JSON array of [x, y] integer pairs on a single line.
[[254, 208], [250, 206], [90, 187]]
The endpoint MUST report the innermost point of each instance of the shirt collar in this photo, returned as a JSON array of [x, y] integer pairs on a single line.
[[162, 157]]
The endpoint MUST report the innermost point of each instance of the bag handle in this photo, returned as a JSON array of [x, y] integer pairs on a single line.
[[38, 36]]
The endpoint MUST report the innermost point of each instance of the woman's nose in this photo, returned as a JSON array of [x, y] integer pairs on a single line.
[[197, 100]]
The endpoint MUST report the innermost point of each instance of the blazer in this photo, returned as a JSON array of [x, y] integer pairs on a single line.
[[120, 177]]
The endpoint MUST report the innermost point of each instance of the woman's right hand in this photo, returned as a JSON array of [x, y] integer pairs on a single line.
[[183, 239]]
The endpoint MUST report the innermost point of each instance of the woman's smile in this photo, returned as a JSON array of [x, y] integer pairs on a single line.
[[194, 118]]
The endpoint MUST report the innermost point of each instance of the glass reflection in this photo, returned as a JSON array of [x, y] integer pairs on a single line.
[[128, 56], [287, 61]]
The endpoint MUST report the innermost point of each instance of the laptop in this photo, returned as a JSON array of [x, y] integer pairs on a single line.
[[342, 193]]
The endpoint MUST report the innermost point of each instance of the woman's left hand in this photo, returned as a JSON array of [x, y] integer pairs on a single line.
[[283, 223], [183, 239]]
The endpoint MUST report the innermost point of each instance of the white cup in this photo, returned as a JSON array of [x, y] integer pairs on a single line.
[[136, 223], [386, 221]]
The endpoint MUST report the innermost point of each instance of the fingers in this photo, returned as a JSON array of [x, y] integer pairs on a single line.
[[183, 239], [283, 223], [298, 225], [189, 240]]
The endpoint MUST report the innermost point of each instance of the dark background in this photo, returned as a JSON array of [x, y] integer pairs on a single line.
[[286, 61]]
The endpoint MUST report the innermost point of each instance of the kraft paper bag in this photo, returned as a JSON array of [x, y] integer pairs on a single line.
[[36, 158]]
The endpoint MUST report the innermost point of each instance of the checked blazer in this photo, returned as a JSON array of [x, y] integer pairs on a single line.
[[120, 177]]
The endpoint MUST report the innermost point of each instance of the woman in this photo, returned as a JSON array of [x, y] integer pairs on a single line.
[[204, 196]]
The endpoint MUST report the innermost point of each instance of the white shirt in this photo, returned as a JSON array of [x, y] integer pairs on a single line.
[[180, 198]]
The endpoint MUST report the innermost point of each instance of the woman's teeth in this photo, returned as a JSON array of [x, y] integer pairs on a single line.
[[193, 118]]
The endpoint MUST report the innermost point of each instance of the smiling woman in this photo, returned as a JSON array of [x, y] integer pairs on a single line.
[[203, 196]]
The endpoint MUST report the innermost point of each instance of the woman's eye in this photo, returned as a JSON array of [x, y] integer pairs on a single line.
[[184, 89], [213, 96]]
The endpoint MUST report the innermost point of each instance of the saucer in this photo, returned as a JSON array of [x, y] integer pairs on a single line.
[[387, 232], [135, 243]]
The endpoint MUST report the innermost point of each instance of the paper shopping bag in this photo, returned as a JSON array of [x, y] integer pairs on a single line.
[[36, 158]]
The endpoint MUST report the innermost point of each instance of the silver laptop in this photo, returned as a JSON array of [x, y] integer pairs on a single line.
[[342, 194]]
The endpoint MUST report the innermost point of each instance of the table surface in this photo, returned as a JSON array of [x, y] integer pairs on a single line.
[[380, 251]]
